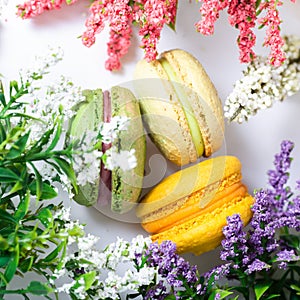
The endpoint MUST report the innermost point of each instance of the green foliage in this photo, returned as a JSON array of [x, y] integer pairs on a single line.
[[32, 239]]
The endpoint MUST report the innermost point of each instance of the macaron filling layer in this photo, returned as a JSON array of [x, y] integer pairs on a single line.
[[187, 109], [105, 184]]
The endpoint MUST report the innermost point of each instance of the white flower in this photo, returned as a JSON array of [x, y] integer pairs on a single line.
[[109, 131], [123, 159], [64, 214], [264, 84], [41, 66], [87, 242], [87, 161]]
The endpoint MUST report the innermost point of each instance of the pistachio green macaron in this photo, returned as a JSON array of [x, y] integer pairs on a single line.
[[121, 188]]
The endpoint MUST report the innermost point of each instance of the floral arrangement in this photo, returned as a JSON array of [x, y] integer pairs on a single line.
[[264, 84], [37, 233], [152, 15]]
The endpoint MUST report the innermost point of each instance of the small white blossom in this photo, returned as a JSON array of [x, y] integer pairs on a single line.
[[41, 66], [87, 242], [64, 214], [87, 161], [109, 131], [123, 159], [264, 84]]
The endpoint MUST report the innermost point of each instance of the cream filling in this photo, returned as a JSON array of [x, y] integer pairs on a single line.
[[187, 109]]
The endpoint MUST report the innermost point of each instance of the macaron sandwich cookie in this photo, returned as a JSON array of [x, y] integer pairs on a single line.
[[180, 106], [120, 188], [190, 206]]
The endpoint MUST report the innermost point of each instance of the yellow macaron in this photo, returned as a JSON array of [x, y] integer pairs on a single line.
[[190, 207], [180, 106]]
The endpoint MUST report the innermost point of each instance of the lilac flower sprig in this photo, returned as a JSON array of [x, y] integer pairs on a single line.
[[265, 259]]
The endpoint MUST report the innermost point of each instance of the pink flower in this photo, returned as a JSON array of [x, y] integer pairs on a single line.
[[242, 15], [33, 8], [156, 14], [273, 38], [210, 14]]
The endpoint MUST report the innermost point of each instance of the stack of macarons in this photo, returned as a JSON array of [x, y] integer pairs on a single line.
[[178, 105]]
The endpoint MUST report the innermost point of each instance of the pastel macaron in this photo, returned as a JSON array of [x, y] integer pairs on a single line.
[[190, 207], [121, 189], [180, 106]]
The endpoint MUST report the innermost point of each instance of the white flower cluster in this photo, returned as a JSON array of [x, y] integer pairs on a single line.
[[264, 84], [109, 131], [86, 159], [104, 267], [126, 160]]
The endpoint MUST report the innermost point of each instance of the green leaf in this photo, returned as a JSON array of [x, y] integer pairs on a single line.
[[26, 264], [51, 256], [56, 137], [222, 293], [2, 133], [3, 245], [17, 187], [89, 279], [273, 296], [12, 265], [4, 261], [45, 216], [8, 176], [2, 97], [261, 288], [295, 287], [18, 147], [38, 182], [7, 217], [22, 208], [38, 288], [68, 170], [48, 192]]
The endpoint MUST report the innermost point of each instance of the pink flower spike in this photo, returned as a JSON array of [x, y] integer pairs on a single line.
[[273, 38], [242, 15], [156, 14], [209, 15], [34, 8]]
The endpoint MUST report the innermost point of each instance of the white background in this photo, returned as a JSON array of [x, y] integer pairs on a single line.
[[254, 143]]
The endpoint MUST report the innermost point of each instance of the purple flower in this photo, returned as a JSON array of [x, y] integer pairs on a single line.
[[217, 296], [257, 265], [234, 244], [175, 269], [287, 256]]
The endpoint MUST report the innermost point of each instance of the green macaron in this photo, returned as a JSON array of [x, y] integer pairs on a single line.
[[121, 188]]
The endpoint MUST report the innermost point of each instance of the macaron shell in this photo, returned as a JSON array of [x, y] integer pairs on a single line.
[[175, 189], [208, 110], [162, 112], [88, 117], [204, 233], [127, 185]]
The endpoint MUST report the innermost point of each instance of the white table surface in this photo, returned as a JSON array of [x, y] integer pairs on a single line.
[[254, 143]]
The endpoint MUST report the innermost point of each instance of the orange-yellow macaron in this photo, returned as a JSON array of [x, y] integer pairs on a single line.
[[190, 207]]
